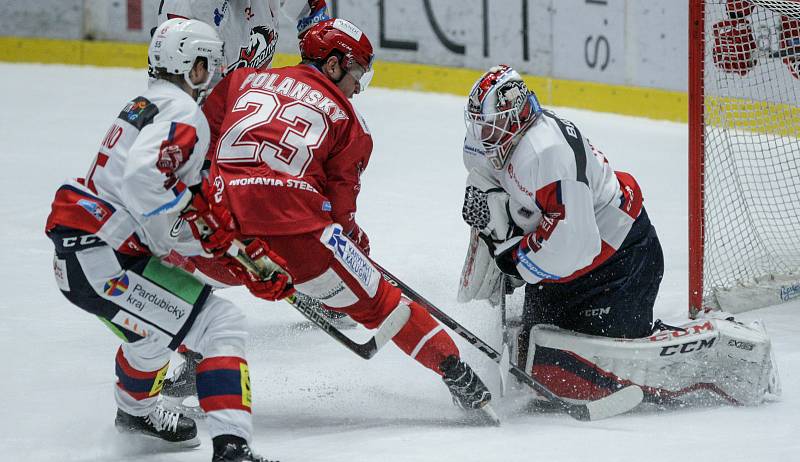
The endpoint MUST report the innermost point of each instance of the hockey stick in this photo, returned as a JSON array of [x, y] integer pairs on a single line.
[[309, 307], [505, 360], [616, 403]]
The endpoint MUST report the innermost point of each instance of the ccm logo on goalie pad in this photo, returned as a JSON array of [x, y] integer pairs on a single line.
[[688, 347], [694, 329]]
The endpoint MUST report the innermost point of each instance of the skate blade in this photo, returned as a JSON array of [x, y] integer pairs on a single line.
[[482, 417], [187, 406], [142, 442]]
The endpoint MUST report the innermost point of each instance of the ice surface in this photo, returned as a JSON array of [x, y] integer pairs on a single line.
[[313, 400]]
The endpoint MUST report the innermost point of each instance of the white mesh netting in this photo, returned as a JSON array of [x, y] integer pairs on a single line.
[[752, 147]]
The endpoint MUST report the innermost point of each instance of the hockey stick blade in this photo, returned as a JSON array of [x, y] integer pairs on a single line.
[[310, 308], [614, 404], [505, 365], [505, 355]]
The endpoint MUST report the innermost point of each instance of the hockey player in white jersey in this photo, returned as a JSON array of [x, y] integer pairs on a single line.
[[547, 210], [142, 198], [249, 28]]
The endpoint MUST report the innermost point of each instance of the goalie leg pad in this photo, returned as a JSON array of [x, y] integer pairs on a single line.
[[480, 277], [703, 362]]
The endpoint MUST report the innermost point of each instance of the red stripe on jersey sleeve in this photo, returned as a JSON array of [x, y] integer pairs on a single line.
[[548, 199], [77, 210], [631, 199], [175, 151]]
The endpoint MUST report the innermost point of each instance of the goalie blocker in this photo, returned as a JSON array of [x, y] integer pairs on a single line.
[[707, 361]]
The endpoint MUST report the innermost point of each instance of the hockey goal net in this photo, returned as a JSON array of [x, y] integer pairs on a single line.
[[744, 151]]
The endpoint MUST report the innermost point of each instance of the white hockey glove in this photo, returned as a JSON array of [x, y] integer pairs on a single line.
[[486, 211], [480, 277]]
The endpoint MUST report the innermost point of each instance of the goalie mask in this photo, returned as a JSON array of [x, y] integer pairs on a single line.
[[499, 107]]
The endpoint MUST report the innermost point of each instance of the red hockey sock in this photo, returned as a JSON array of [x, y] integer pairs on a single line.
[[138, 384], [223, 382], [424, 339]]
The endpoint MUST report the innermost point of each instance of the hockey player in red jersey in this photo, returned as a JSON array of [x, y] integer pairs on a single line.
[[288, 152], [142, 198], [250, 32], [547, 209]]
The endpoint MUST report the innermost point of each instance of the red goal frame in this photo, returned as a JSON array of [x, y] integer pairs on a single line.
[[696, 151]]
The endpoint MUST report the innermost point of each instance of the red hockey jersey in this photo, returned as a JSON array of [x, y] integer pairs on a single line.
[[287, 148]]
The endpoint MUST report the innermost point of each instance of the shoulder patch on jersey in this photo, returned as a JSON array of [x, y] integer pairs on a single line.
[[575, 141], [140, 112]]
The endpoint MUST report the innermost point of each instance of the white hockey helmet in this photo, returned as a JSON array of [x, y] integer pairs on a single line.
[[178, 42], [499, 107]]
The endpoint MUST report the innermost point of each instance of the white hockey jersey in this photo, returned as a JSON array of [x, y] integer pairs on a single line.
[[134, 192], [574, 209], [249, 28]]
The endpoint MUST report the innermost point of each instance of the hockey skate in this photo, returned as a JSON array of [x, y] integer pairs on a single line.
[[468, 391], [179, 392], [160, 423], [228, 448]]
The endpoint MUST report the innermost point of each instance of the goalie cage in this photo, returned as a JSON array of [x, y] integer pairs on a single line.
[[744, 154]]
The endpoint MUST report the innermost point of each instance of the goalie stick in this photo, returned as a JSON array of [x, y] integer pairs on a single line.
[[309, 307], [616, 403], [505, 355]]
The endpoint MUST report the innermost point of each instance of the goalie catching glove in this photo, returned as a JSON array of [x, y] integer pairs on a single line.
[[211, 224], [486, 210]]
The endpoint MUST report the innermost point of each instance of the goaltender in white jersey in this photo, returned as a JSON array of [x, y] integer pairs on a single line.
[[547, 210]]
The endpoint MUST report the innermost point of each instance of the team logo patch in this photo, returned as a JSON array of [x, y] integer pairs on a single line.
[[260, 49], [116, 286], [511, 94], [97, 211], [139, 112], [326, 206], [169, 158], [135, 108]]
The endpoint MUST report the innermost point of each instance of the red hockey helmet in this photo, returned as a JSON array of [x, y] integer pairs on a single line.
[[339, 35]]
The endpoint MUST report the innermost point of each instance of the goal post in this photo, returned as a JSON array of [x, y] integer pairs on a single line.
[[744, 153]]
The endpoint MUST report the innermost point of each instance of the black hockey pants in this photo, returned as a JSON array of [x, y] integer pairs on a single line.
[[614, 300]]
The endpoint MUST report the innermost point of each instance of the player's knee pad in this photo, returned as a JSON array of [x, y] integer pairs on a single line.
[[702, 362], [350, 277], [219, 330], [352, 265]]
